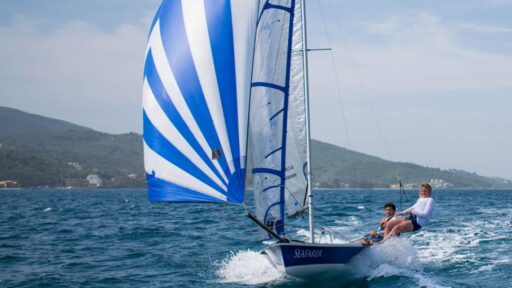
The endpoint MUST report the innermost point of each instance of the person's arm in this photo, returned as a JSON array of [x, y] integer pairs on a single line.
[[427, 210], [407, 211]]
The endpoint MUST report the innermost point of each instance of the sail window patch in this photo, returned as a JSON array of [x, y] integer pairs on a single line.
[[216, 153]]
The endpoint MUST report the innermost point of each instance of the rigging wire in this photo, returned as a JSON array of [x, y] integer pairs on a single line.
[[361, 83], [338, 88]]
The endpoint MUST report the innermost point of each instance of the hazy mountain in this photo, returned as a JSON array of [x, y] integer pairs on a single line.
[[38, 151], [335, 166]]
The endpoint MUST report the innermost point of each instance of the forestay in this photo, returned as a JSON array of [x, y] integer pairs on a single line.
[[277, 116], [195, 99]]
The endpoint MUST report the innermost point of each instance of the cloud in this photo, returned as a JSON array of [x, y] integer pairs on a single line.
[[438, 97], [74, 71], [424, 53], [485, 28], [500, 2]]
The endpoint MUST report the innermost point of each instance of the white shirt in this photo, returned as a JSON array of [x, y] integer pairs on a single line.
[[424, 210]]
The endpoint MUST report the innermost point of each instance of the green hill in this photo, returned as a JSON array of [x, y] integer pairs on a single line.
[[337, 167], [38, 151]]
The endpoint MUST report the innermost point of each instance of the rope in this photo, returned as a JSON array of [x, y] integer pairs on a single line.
[[401, 186], [245, 208]]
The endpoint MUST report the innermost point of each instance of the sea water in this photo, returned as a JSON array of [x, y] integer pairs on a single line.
[[116, 238]]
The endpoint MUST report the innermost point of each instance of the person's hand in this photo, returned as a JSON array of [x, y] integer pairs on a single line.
[[408, 212], [373, 233]]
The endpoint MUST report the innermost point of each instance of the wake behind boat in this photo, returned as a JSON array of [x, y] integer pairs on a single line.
[[227, 78]]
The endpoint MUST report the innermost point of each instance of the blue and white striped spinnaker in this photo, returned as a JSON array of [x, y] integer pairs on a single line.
[[195, 99]]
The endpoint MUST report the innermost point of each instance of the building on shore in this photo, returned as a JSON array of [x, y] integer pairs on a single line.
[[94, 180], [9, 184], [435, 183]]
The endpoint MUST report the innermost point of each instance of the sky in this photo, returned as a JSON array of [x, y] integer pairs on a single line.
[[425, 82]]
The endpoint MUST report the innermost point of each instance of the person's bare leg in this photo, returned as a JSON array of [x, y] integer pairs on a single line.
[[391, 224], [404, 226]]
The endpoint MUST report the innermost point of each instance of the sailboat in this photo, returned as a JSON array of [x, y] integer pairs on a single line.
[[224, 80]]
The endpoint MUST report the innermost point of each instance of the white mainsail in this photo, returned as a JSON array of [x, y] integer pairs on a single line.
[[277, 116]]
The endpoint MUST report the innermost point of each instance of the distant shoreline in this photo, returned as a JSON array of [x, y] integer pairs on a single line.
[[250, 189]]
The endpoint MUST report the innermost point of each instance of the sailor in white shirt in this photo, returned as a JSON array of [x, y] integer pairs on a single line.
[[419, 214]]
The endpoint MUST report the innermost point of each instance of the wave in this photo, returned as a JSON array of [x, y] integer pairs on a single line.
[[249, 268]]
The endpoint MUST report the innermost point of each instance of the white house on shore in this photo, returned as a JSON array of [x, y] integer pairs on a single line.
[[95, 180], [435, 183]]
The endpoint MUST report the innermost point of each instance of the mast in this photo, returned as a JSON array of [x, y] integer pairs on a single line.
[[308, 130]]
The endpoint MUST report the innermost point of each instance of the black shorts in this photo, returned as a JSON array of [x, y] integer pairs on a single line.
[[415, 225]]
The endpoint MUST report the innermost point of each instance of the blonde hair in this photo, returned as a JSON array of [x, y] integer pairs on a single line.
[[428, 187]]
